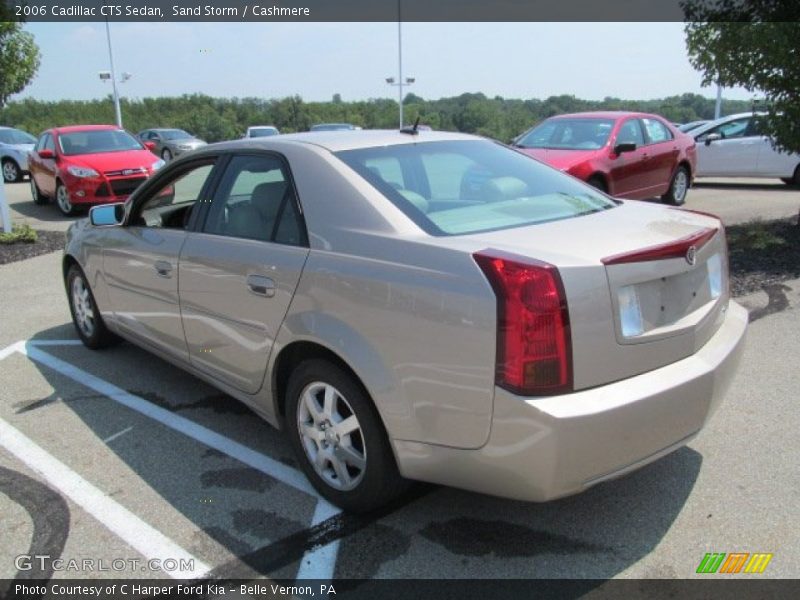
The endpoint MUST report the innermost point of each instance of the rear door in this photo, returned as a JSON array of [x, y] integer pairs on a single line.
[[239, 272], [141, 265]]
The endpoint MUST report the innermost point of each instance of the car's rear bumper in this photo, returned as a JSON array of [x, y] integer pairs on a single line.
[[544, 448]]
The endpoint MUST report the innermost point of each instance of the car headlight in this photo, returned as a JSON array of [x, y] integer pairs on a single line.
[[82, 172], [157, 165]]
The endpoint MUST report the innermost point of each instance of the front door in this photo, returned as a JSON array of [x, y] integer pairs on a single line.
[[628, 170], [141, 264], [239, 273]]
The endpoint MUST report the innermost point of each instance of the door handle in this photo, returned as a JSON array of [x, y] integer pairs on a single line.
[[261, 286], [163, 268]]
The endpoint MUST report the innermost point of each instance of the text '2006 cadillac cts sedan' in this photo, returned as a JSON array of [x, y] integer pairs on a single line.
[[427, 306]]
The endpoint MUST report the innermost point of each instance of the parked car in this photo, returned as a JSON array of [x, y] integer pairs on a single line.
[[734, 146], [687, 127], [261, 131], [168, 143], [15, 145], [435, 307], [627, 155], [83, 165], [334, 127]]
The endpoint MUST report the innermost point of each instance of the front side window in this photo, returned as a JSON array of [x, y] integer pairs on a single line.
[[49, 142], [656, 131], [172, 203], [461, 187], [568, 134], [730, 130], [631, 133], [255, 200], [96, 141]]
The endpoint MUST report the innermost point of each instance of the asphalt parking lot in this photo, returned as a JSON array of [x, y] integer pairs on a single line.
[[117, 455]]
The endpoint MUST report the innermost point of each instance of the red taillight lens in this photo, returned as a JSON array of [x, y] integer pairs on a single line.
[[534, 356]]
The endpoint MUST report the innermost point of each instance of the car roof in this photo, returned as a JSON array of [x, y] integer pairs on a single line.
[[711, 124], [336, 141], [604, 114], [77, 128]]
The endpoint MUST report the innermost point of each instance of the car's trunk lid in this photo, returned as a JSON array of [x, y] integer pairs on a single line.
[[646, 285]]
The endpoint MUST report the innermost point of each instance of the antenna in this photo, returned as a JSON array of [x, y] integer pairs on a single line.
[[412, 130]]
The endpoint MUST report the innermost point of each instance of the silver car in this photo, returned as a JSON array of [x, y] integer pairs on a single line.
[[169, 143], [429, 306], [15, 145]]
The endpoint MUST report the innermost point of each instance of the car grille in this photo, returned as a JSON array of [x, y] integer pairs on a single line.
[[124, 187]]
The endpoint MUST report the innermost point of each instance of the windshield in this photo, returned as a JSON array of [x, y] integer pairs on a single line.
[[263, 132], [690, 126], [16, 136], [568, 134], [332, 127], [461, 187], [175, 134], [99, 140]]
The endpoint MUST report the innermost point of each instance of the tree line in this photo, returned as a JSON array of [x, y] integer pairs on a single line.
[[216, 119]]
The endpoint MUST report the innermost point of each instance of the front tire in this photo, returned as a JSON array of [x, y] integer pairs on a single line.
[[338, 438], [794, 180], [85, 315], [598, 182], [36, 193], [62, 200], [11, 171], [678, 187]]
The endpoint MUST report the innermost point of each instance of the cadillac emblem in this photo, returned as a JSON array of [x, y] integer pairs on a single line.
[[691, 255]]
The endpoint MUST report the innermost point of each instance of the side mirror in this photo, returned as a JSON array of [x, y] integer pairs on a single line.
[[624, 147], [107, 215], [150, 145], [46, 153], [712, 137]]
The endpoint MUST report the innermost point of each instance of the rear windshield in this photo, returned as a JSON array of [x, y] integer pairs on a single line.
[[263, 132], [16, 136], [568, 134], [461, 187], [99, 140]]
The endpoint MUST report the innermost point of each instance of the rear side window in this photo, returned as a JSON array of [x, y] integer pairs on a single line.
[[656, 131], [461, 187]]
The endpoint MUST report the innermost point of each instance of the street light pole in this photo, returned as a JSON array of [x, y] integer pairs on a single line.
[[400, 62], [117, 109]]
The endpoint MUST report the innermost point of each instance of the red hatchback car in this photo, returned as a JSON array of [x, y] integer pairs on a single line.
[[88, 164], [626, 154]]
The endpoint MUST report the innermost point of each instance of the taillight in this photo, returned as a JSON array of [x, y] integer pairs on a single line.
[[534, 356]]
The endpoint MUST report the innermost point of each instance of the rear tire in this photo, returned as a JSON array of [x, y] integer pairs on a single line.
[[678, 187], [795, 180], [85, 315], [338, 438], [11, 171]]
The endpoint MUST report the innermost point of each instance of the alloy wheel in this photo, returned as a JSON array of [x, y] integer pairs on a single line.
[[83, 307]]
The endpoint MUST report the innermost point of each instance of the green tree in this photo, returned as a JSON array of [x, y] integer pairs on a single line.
[[19, 59], [756, 45]]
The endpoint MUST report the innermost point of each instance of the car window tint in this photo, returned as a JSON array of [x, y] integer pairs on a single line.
[[289, 228], [49, 143], [569, 134], [731, 129], [172, 203], [631, 133], [656, 131], [490, 186], [250, 199], [388, 169]]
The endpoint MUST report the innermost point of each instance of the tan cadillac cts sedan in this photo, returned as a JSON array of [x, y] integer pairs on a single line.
[[419, 306]]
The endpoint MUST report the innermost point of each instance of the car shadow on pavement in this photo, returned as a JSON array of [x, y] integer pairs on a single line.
[[41, 212], [779, 186], [433, 532]]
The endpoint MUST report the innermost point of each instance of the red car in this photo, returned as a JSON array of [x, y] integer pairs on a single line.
[[625, 154], [84, 165]]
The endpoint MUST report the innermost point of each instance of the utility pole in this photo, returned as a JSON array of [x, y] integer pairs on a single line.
[[113, 77]]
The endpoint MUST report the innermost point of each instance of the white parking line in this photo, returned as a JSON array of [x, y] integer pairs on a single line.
[[111, 438], [149, 542], [318, 563]]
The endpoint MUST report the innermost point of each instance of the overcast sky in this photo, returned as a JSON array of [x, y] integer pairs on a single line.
[[317, 60]]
